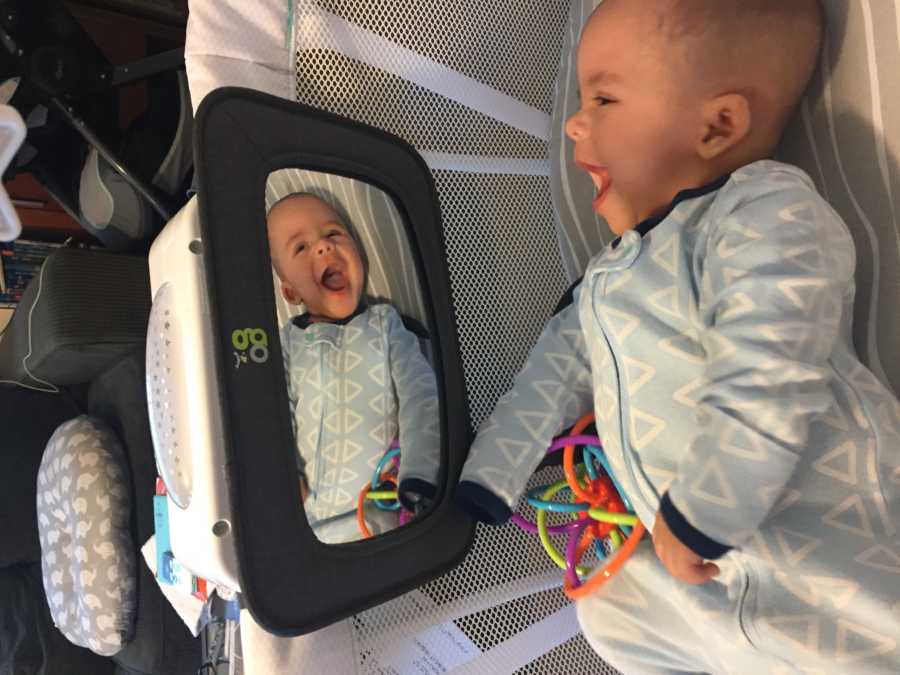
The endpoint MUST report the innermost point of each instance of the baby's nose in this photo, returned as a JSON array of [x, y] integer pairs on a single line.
[[575, 127], [324, 246]]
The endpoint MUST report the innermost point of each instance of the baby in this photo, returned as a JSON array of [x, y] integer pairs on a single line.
[[712, 339], [355, 374]]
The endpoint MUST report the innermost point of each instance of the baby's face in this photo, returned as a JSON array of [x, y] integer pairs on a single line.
[[636, 128], [319, 262]]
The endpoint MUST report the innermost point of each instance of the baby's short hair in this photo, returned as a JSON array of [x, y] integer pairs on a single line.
[[326, 198], [298, 195], [780, 39], [685, 16]]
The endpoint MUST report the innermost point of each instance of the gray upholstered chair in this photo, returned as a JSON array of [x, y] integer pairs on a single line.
[[83, 311]]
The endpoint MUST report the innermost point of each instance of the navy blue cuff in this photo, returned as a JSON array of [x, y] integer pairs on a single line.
[[567, 298], [694, 539], [415, 493], [481, 503]]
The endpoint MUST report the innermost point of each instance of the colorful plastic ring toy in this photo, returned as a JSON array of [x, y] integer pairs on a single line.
[[360, 507]]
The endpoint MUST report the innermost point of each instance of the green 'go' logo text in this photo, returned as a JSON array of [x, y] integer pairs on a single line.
[[252, 341]]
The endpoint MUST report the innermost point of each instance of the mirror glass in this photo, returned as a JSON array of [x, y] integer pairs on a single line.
[[357, 356]]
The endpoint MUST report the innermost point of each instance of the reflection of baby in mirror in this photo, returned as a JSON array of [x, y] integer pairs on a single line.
[[357, 378]]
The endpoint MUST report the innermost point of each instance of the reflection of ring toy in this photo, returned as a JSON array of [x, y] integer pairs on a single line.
[[382, 490], [360, 504], [602, 514], [393, 456]]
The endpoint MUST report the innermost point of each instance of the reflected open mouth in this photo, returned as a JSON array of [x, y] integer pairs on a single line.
[[334, 279], [602, 181]]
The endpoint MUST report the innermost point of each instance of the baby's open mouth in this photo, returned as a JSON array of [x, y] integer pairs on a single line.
[[334, 279], [601, 179]]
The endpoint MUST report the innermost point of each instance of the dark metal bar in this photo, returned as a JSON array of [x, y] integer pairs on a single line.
[[168, 14], [147, 67]]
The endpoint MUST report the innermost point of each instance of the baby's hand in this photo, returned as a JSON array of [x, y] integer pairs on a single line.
[[682, 562]]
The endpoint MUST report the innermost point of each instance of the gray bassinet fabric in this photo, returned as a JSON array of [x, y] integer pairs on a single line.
[[847, 138]]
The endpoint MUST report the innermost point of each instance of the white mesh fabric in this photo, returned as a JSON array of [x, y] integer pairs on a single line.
[[505, 587], [505, 274], [476, 38], [506, 584], [423, 118], [469, 83], [321, 31], [574, 656]]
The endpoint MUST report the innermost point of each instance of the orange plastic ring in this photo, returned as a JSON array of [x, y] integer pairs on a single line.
[[587, 538], [608, 570], [569, 463]]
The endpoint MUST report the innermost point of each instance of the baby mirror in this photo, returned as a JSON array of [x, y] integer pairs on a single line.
[[334, 397], [362, 392]]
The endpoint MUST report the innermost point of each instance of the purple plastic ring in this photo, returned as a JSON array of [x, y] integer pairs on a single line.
[[571, 551], [578, 439]]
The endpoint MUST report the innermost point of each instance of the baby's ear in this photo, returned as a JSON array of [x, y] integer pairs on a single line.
[[726, 122], [290, 294]]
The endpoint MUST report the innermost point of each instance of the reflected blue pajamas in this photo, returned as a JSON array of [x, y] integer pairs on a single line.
[[714, 345], [354, 387]]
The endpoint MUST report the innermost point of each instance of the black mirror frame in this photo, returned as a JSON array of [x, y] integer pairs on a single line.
[[291, 582]]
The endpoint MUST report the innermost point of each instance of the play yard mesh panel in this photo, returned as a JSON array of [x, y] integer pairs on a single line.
[[427, 120], [504, 586], [470, 84]]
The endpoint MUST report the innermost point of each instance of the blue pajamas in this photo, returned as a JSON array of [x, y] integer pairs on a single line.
[[714, 345], [645, 622]]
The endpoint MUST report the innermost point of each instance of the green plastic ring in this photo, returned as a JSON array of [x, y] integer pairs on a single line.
[[382, 494], [628, 519]]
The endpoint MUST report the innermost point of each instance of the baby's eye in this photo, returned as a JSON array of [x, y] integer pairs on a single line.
[[602, 100], [335, 233], [299, 248]]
